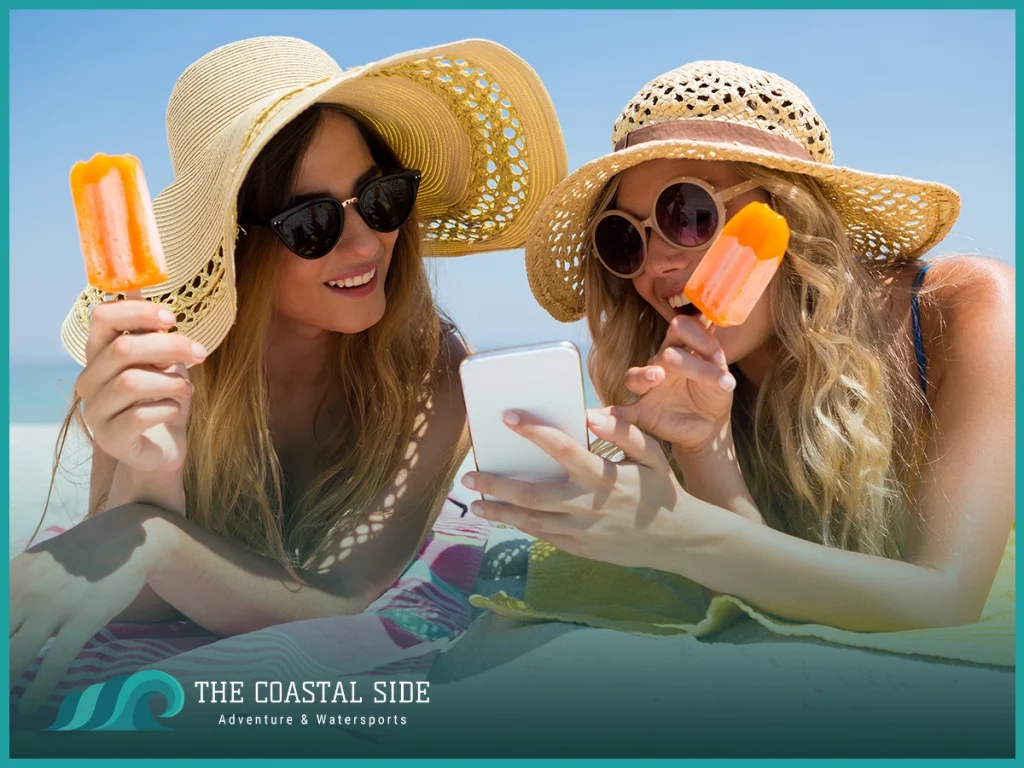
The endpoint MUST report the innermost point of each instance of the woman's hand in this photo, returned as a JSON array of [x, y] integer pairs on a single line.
[[628, 513], [135, 389], [71, 586], [685, 390]]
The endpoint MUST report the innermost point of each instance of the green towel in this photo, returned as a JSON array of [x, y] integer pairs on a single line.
[[563, 587]]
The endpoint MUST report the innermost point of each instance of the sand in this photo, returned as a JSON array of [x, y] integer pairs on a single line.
[[32, 448]]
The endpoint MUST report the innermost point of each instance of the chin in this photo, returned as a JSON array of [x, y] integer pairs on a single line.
[[361, 319]]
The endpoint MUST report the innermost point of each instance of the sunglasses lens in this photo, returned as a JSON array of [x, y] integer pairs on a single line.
[[312, 231], [687, 215], [619, 245], [386, 204]]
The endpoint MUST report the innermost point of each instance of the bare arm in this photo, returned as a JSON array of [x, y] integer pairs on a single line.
[[148, 607], [229, 590], [714, 476], [965, 500]]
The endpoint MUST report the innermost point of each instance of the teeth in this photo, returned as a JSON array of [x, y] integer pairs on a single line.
[[677, 301], [352, 282]]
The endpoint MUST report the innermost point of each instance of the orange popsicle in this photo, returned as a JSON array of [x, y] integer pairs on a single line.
[[116, 224], [739, 265]]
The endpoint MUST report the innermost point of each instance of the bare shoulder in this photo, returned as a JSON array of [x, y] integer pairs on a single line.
[[966, 286], [972, 313]]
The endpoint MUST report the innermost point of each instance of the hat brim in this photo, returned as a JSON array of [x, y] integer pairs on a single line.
[[888, 218], [490, 154]]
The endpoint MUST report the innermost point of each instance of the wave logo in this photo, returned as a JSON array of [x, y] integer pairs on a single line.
[[121, 703]]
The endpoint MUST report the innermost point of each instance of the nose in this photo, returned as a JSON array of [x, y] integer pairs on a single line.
[[663, 259], [358, 242]]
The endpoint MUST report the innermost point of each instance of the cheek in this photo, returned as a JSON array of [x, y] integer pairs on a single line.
[[644, 285], [297, 280], [388, 241]]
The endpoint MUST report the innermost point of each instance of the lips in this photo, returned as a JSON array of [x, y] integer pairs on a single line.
[[353, 278], [354, 286]]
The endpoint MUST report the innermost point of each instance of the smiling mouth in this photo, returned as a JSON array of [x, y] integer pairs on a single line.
[[353, 282], [682, 305]]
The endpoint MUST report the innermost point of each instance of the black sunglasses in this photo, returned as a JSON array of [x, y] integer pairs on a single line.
[[312, 228]]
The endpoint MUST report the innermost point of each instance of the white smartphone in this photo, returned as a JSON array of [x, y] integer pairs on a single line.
[[544, 380]]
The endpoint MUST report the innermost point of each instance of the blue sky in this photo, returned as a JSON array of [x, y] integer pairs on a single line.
[[925, 94]]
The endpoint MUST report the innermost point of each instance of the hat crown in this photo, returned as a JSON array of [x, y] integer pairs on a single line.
[[724, 91], [223, 84]]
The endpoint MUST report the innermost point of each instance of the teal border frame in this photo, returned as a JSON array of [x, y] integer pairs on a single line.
[[439, 5]]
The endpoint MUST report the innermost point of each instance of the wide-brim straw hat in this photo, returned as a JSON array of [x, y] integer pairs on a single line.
[[471, 115], [714, 110]]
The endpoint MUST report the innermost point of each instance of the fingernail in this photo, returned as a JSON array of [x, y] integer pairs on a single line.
[[166, 316], [477, 508], [719, 357], [189, 388], [727, 382], [511, 418], [469, 482], [597, 419], [198, 351], [651, 374]]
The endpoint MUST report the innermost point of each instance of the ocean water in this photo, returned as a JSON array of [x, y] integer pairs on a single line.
[[40, 393]]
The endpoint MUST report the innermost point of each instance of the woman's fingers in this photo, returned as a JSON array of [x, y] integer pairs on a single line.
[[138, 419], [27, 642], [644, 378], [115, 318], [547, 497], [69, 642], [577, 460], [159, 351], [529, 521], [679, 363], [686, 331], [135, 386], [612, 424]]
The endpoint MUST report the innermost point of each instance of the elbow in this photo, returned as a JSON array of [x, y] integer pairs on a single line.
[[960, 613], [950, 618], [954, 608]]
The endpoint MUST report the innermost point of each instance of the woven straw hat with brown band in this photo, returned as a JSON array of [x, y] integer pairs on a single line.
[[713, 110], [471, 115]]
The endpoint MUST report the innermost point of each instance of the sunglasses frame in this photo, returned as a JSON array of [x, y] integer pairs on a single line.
[[720, 198], [277, 222]]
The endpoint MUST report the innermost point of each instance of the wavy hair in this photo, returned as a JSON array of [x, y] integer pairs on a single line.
[[829, 443], [382, 384]]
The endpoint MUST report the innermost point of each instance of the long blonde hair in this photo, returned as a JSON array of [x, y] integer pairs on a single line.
[[382, 379], [828, 442]]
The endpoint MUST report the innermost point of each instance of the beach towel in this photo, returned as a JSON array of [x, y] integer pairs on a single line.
[[400, 632], [563, 587]]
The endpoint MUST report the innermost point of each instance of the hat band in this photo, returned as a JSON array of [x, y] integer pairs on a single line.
[[720, 131]]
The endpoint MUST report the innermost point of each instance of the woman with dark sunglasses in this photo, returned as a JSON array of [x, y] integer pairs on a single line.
[[842, 457], [282, 452]]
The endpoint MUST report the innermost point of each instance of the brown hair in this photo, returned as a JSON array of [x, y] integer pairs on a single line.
[[383, 377]]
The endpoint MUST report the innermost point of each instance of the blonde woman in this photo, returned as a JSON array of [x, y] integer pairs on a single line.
[[843, 457], [284, 461]]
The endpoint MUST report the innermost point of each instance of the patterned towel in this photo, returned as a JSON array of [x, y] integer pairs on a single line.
[[401, 632], [562, 587]]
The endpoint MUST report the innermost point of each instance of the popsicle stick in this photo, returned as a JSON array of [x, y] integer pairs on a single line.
[[133, 295]]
